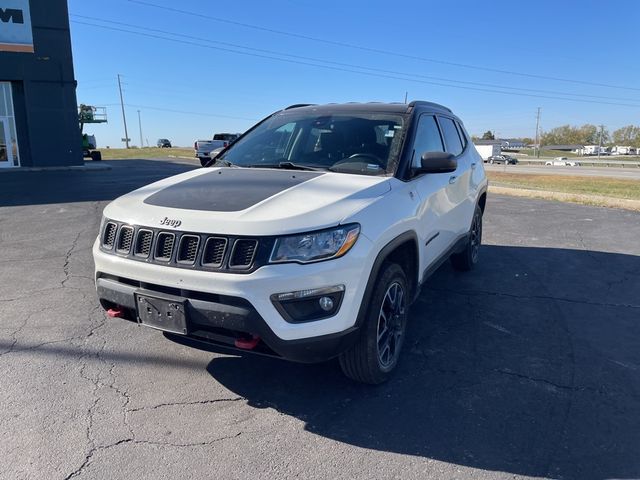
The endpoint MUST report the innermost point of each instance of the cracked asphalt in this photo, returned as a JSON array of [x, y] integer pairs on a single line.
[[527, 367]]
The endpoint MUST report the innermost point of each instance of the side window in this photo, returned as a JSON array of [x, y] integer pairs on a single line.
[[463, 136], [451, 137], [427, 138]]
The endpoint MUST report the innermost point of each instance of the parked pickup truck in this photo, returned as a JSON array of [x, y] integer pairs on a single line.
[[205, 147]]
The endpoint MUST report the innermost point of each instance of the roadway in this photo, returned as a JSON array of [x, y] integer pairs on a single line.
[[608, 172]]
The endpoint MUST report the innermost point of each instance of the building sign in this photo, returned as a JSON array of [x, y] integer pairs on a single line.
[[15, 26]]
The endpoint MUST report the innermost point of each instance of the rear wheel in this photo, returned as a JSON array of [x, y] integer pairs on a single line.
[[376, 353], [468, 258], [96, 156]]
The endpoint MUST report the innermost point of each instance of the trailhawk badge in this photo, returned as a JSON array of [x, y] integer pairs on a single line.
[[171, 223]]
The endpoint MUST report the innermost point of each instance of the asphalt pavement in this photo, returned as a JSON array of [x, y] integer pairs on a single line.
[[607, 172], [528, 366]]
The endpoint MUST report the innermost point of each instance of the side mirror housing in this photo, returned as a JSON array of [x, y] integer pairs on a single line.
[[436, 162]]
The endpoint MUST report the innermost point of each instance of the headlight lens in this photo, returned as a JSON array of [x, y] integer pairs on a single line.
[[315, 246]]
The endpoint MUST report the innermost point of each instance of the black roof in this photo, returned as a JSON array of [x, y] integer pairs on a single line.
[[368, 107]]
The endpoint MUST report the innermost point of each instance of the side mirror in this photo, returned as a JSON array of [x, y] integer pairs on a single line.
[[436, 162]]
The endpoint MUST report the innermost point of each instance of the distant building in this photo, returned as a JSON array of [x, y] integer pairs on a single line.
[[38, 112], [512, 144]]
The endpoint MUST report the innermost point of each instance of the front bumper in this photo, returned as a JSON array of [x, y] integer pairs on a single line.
[[224, 305]]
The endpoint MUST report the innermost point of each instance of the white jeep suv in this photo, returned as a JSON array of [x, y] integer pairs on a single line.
[[306, 239]]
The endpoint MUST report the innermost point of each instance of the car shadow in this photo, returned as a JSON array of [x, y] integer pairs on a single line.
[[68, 186], [529, 365]]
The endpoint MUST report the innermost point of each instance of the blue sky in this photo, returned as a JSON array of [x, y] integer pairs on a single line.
[[191, 90]]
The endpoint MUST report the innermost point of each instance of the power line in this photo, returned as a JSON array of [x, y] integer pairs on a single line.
[[148, 107], [330, 62], [377, 50], [350, 70]]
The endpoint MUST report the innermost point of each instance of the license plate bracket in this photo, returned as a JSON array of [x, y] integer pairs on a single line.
[[167, 313]]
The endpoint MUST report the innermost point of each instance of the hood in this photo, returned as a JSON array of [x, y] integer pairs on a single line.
[[248, 201]]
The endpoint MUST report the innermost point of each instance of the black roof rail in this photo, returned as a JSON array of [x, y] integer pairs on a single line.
[[429, 104], [298, 105]]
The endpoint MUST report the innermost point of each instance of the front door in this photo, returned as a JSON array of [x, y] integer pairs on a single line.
[[6, 148]]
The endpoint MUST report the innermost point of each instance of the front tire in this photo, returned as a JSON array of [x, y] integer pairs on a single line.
[[468, 258], [375, 355]]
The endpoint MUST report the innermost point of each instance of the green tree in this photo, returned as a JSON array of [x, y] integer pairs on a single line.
[[488, 135], [570, 135], [627, 136]]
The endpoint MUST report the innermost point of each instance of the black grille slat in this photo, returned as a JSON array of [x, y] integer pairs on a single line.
[[243, 253], [213, 254], [164, 246], [125, 239], [109, 236], [188, 250], [179, 249], [143, 243]]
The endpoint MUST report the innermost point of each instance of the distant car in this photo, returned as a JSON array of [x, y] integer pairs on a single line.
[[204, 148], [562, 162], [503, 159], [164, 143]]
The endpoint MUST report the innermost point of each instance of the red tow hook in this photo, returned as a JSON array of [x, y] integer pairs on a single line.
[[115, 313], [247, 344]]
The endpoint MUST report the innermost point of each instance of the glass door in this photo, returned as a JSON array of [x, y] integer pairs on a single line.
[[6, 147]]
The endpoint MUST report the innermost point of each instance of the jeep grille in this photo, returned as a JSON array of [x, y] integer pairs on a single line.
[[186, 249]]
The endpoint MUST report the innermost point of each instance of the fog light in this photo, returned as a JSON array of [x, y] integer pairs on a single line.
[[309, 305], [326, 303]]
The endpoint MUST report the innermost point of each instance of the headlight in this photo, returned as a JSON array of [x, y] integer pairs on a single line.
[[315, 246]]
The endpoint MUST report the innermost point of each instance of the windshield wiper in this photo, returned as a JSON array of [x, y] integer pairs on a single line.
[[286, 166]]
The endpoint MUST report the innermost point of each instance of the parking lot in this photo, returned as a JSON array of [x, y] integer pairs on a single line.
[[528, 366]]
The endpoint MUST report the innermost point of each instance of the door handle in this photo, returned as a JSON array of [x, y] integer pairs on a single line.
[[473, 166], [452, 179]]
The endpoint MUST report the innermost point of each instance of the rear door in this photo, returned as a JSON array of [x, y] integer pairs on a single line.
[[459, 185]]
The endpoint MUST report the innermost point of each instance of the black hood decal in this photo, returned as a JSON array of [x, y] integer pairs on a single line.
[[228, 189]]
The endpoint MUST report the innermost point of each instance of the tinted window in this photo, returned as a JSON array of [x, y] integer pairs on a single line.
[[427, 138], [463, 136], [451, 137]]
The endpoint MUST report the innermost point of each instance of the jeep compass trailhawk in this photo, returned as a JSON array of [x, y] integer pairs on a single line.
[[307, 239]]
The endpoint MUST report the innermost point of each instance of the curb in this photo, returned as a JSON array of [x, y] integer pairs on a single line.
[[77, 168]]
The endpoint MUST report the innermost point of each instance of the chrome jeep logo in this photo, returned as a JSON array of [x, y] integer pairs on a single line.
[[170, 223]]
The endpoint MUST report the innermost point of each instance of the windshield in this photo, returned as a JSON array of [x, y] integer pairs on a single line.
[[361, 143]]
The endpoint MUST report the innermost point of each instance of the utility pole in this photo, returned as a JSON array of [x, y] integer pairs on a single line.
[[600, 140], [124, 117], [140, 125], [405, 96], [538, 133]]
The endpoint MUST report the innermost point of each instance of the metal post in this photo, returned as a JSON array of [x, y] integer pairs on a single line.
[[124, 117], [140, 125]]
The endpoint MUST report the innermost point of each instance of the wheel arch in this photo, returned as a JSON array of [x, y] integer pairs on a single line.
[[482, 200], [402, 250]]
